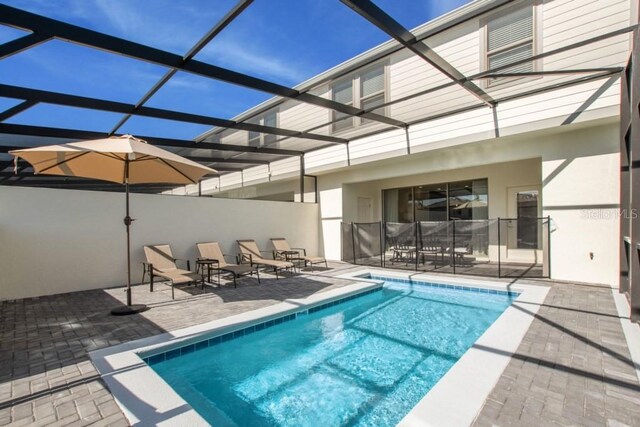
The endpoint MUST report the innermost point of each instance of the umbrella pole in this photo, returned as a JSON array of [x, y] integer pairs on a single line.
[[129, 308], [127, 222]]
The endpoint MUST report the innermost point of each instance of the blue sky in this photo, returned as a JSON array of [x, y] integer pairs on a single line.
[[285, 41]]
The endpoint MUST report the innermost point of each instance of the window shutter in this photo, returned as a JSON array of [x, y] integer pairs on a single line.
[[372, 82], [254, 139], [342, 93], [270, 119], [512, 55], [510, 28]]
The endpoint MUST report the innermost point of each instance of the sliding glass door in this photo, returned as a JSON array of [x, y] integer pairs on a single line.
[[437, 202]]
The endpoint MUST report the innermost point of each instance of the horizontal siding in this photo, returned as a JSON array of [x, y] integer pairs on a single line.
[[300, 117], [230, 180], [451, 127], [285, 167], [235, 137], [335, 156], [549, 105], [559, 7], [563, 22], [579, 21], [403, 79], [256, 175], [606, 53], [460, 46], [378, 144], [432, 104], [210, 185]]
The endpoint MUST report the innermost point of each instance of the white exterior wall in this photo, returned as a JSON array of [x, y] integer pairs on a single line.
[[582, 196], [500, 176], [54, 241], [576, 165]]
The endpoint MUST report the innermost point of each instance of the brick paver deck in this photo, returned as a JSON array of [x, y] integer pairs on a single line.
[[572, 368]]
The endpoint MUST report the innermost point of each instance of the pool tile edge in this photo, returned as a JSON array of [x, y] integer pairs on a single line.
[[146, 398], [444, 404]]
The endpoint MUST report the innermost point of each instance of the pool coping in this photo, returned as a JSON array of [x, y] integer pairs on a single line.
[[145, 398], [484, 362]]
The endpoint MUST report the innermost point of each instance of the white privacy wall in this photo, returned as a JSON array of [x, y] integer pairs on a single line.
[[55, 241]]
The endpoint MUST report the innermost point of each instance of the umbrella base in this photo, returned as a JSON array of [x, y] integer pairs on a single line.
[[125, 310]]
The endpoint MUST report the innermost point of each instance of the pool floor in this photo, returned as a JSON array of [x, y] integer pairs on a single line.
[[365, 362]]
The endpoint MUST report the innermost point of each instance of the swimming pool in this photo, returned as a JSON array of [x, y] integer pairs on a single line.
[[365, 360]]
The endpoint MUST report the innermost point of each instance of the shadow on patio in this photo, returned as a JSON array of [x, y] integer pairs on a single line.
[[45, 372]]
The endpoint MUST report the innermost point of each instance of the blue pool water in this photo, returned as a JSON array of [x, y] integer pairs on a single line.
[[364, 362]]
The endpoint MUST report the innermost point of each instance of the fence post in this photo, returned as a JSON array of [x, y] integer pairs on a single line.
[[417, 225], [453, 246], [381, 248], [499, 247], [548, 246], [383, 225], [353, 242]]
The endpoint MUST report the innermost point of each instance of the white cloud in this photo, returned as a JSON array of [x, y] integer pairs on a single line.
[[186, 81], [156, 29], [252, 60], [176, 26]]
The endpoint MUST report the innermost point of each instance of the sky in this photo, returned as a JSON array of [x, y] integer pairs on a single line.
[[283, 41]]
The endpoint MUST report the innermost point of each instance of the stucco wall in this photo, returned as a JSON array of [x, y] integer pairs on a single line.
[[500, 176], [54, 241], [579, 174]]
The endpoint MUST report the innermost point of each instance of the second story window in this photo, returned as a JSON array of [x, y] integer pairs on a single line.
[[365, 91], [510, 37], [372, 89], [257, 139], [270, 119], [343, 93]]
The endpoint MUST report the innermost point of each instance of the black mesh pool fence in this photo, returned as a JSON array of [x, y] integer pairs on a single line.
[[502, 247]]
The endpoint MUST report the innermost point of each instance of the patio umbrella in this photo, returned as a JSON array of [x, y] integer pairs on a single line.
[[123, 160]]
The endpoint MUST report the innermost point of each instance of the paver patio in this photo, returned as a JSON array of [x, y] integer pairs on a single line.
[[573, 367]]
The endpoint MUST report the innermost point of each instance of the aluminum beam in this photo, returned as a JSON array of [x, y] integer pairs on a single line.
[[386, 23], [536, 91], [388, 51], [221, 25], [17, 109], [226, 160], [48, 27], [167, 142], [23, 43], [609, 71], [550, 73], [36, 95]]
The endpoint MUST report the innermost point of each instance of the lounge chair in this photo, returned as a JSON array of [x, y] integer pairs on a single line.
[[430, 250], [402, 252], [282, 250], [211, 251], [463, 253], [250, 253], [162, 263]]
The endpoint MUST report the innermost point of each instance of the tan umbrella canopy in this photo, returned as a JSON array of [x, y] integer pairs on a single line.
[[107, 159], [124, 160]]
